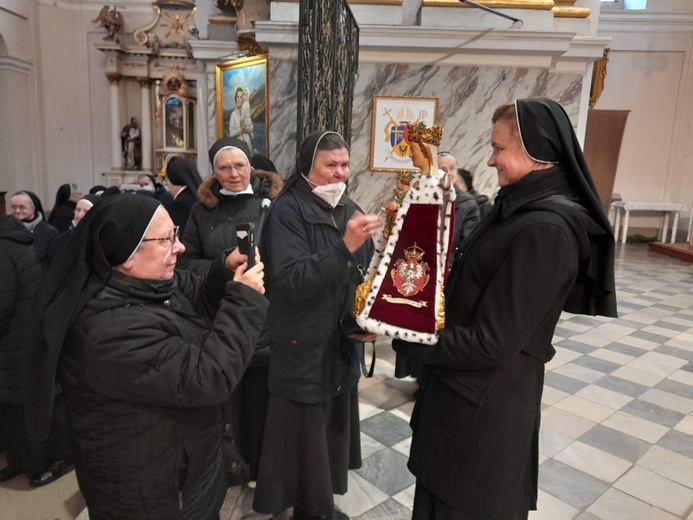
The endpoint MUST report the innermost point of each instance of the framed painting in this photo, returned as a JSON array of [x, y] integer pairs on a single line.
[[243, 101], [391, 114]]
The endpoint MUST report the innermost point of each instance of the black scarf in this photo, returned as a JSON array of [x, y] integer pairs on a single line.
[[106, 237], [548, 136]]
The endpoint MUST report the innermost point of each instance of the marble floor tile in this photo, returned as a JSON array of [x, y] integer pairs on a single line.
[[361, 497], [552, 508], [656, 490], [390, 509], [662, 359], [628, 350], [577, 346], [566, 354], [686, 425], [580, 373], [668, 400], [403, 447], [570, 485], [617, 358], [638, 427], [387, 395], [653, 412], [604, 396], [682, 353], [642, 377], [406, 497], [552, 395], [386, 428], [622, 386], [661, 331], [617, 505], [669, 464], [682, 376], [593, 461], [387, 470], [591, 339], [639, 343], [552, 442], [616, 443], [678, 442], [586, 409], [369, 446], [565, 422], [593, 362], [564, 383]]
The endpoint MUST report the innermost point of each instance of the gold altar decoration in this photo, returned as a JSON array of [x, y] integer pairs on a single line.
[[567, 9]]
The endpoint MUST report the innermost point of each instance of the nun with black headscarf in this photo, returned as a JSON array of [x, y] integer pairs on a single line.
[[183, 180], [314, 237], [546, 246], [27, 207], [145, 355], [64, 207]]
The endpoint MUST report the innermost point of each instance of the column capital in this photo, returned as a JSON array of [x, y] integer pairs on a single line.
[[113, 78], [145, 82]]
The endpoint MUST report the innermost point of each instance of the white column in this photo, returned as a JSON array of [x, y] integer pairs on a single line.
[[116, 148], [146, 124]]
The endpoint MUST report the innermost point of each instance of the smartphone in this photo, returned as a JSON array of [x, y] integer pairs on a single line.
[[245, 237]]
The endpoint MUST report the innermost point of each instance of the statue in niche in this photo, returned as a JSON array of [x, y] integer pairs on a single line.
[[112, 21], [131, 142]]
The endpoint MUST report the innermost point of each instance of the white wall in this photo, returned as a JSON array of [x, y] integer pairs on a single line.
[[650, 73]]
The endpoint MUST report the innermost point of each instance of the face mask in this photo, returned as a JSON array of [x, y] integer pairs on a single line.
[[330, 193], [249, 190], [148, 188]]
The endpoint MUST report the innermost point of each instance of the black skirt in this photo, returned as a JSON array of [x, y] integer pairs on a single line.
[[429, 507], [307, 453]]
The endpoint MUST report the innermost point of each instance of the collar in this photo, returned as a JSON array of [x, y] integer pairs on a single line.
[[536, 185]]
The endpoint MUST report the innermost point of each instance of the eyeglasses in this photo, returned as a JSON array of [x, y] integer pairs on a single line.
[[239, 167], [171, 238]]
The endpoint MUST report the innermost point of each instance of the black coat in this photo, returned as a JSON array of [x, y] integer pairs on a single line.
[[478, 411], [61, 215], [20, 276], [308, 270], [179, 208], [144, 377], [212, 223], [45, 241]]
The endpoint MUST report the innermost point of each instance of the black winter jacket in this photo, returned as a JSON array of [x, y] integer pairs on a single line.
[[180, 207], [478, 410], [144, 377], [212, 223], [20, 276], [308, 270]]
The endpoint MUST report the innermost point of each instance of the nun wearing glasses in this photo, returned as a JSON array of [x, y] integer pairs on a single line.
[[146, 355]]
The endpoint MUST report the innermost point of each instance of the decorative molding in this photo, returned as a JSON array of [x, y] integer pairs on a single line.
[[543, 5], [638, 22], [15, 65], [144, 82], [113, 78]]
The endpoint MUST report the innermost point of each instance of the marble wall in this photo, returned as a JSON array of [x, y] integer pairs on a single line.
[[467, 98]]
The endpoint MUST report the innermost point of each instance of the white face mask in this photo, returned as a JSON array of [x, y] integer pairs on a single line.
[[147, 188], [330, 193]]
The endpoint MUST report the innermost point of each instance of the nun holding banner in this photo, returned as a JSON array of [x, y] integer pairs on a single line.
[[402, 295]]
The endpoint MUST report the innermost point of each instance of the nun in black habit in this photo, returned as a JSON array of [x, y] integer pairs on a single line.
[[313, 239], [145, 356], [183, 181], [545, 246]]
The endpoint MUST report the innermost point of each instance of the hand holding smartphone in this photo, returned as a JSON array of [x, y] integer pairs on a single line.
[[245, 237]]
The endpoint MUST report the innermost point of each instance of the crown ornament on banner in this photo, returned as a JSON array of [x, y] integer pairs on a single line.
[[420, 133]]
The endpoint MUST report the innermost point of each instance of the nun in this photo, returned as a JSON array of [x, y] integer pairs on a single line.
[[315, 236], [183, 180], [27, 208], [145, 355], [546, 246]]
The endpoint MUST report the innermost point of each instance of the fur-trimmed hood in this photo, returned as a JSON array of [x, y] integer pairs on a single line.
[[266, 184]]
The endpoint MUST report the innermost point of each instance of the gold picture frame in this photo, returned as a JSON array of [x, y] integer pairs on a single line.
[[390, 115], [249, 120]]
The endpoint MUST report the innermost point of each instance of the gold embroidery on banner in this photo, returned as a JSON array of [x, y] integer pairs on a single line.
[[404, 301], [361, 294], [440, 321], [410, 275]]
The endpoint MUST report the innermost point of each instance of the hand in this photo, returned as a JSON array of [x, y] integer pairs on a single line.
[[234, 260], [253, 278], [359, 229]]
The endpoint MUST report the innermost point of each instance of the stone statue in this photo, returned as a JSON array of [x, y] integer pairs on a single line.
[[112, 21]]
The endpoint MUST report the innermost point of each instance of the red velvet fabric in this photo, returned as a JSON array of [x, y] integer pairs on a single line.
[[420, 221]]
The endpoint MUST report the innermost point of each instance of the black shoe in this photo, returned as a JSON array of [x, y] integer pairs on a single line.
[[8, 473], [53, 473]]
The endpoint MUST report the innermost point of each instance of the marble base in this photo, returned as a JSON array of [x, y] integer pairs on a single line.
[[364, 14]]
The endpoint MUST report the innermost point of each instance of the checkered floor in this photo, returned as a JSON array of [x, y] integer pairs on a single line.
[[617, 426], [617, 429]]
